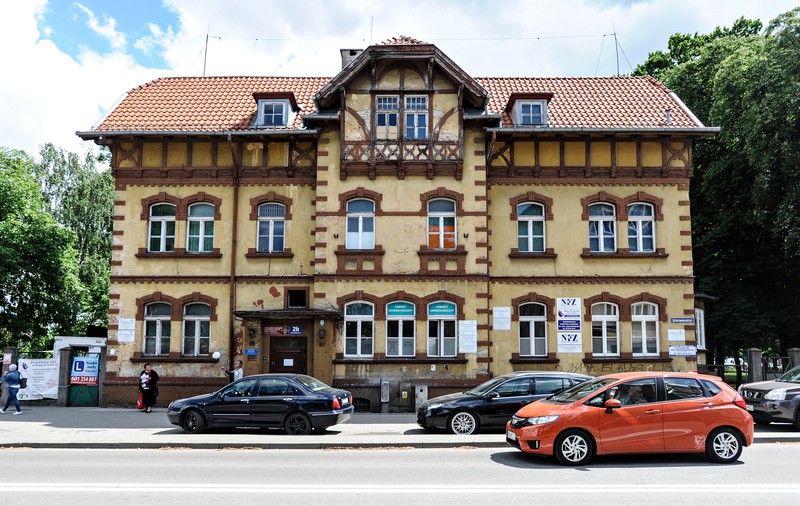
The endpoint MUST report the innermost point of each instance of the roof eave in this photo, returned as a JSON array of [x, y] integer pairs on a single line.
[[685, 131], [100, 134]]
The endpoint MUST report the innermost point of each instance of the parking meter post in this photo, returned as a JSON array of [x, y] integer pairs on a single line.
[[754, 371]]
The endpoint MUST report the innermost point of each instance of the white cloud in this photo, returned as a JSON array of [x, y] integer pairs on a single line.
[[108, 29]]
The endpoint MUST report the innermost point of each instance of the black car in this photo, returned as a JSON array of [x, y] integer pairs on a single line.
[[491, 404], [295, 402], [777, 400]]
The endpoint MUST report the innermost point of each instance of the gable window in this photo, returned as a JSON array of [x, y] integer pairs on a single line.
[[530, 228], [400, 330], [200, 229], [360, 224], [271, 223], [161, 235], [641, 228], [531, 112], [532, 330], [157, 328], [644, 328], [387, 113], [273, 113], [442, 329], [416, 117], [605, 329], [441, 224], [196, 329], [358, 329], [602, 228]]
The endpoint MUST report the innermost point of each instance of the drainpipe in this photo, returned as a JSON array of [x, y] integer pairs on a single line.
[[234, 231]]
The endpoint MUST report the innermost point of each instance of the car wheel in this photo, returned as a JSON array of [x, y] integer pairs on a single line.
[[723, 445], [573, 448], [193, 422], [297, 424], [463, 423]]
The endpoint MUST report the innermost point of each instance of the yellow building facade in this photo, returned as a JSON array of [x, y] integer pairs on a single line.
[[401, 230]]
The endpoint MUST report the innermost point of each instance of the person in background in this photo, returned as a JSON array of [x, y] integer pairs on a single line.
[[237, 371], [12, 380], [148, 385]]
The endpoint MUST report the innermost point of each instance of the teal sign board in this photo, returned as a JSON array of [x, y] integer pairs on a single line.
[[400, 309], [442, 309]]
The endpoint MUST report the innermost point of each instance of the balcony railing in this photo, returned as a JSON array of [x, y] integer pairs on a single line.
[[426, 151]]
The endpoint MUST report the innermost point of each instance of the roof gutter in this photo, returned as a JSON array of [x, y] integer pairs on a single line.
[[99, 134], [693, 131]]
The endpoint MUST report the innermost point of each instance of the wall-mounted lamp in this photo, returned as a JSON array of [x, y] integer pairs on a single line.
[[251, 333], [321, 336]]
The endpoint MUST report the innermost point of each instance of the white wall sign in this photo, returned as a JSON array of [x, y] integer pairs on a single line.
[[676, 335], [501, 318], [682, 350], [468, 336], [568, 314], [126, 330], [570, 342]]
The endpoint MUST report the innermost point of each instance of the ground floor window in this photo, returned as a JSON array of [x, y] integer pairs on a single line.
[[442, 329]]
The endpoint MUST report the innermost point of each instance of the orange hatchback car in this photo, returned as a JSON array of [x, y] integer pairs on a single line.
[[636, 413]]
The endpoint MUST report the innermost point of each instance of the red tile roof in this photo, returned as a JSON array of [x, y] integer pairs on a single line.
[[216, 104]]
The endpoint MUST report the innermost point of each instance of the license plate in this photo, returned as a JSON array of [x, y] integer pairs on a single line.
[[749, 407], [345, 401], [510, 435]]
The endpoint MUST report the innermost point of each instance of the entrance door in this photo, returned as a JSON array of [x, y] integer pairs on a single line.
[[288, 354]]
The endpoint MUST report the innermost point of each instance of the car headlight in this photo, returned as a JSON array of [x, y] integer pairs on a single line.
[[779, 394], [518, 421], [435, 405]]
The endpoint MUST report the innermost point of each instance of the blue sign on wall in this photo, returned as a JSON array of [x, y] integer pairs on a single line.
[[251, 351]]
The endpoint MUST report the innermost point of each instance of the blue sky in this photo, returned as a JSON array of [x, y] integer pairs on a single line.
[[66, 63]]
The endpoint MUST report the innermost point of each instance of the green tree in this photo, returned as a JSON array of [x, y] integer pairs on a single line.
[[39, 288]]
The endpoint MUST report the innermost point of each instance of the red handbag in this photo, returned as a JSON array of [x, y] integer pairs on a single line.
[[140, 402]]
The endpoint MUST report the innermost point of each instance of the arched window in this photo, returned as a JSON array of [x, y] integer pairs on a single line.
[[533, 330], [360, 224], [644, 328], [201, 229], [605, 329], [441, 224], [161, 228], [530, 228], [157, 328], [359, 324], [602, 228], [196, 329], [400, 330], [271, 223], [641, 228], [442, 329]]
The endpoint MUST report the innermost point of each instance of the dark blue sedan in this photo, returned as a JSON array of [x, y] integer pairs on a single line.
[[295, 402]]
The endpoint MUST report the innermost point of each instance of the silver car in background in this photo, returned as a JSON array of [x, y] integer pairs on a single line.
[[776, 400]]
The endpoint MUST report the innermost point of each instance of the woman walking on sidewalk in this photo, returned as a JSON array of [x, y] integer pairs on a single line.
[[148, 385], [12, 380]]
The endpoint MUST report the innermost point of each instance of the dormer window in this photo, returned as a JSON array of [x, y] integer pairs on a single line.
[[532, 112], [529, 109], [275, 109]]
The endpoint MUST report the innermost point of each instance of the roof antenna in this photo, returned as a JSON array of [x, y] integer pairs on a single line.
[[371, 22], [205, 53], [616, 46]]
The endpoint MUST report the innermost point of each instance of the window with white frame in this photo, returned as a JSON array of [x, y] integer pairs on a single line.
[[400, 329], [360, 224], [700, 328], [530, 228], [605, 329], [157, 317], [602, 228], [531, 112], [416, 117], [533, 330], [641, 228], [200, 229], [359, 323], [161, 229], [442, 329], [271, 223], [273, 113], [441, 224], [644, 328], [196, 329], [386, 116]]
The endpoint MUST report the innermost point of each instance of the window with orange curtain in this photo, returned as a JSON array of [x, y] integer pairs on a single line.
[[442, 224]]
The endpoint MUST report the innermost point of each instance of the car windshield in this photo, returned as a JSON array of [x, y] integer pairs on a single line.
[[791, 376], [485, 387], [581, 390], [312, 384]]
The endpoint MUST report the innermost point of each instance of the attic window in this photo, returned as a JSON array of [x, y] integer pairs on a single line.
[[530, 112], [273, 113]]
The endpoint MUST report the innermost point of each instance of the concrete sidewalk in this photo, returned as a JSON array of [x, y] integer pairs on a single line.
[[57, 427]]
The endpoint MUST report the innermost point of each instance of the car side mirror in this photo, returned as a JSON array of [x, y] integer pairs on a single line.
[[612, 404], [492, 395]]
